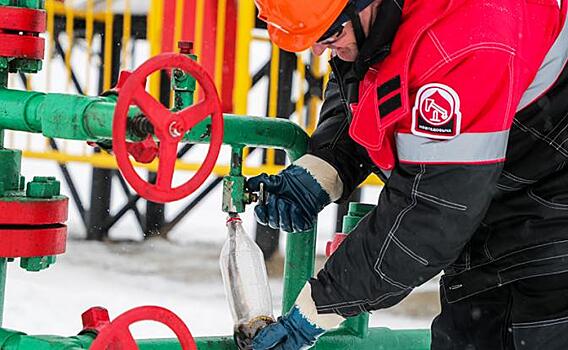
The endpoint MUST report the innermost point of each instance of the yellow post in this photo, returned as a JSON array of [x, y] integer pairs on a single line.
[[69, 30], [243, 81], [89, 30], [51, 31], [314, 101], [273, 97], [300, 103], [154, 33], [126, 34], [220, 43], [109, 18]]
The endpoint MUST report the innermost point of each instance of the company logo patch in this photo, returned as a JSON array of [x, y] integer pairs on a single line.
[[436, 113]]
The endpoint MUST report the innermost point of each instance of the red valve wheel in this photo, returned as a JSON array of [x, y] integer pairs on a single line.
[[169, 127], [117, 336]]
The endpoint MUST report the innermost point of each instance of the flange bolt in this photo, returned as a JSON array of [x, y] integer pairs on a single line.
[[185, 47], [95, 319]]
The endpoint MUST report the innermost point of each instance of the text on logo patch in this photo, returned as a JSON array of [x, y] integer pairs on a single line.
[[436, 113]]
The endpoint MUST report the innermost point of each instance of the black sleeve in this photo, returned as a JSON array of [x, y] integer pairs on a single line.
[[425, 216], [332, 143], [434, 200]]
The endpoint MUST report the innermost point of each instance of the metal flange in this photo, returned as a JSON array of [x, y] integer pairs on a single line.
[[26, 211], [24, 20], [19, 34], [28, 242], [22, 46]]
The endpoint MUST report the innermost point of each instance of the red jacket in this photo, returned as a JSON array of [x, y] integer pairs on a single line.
[[456, 67], [467, 114]]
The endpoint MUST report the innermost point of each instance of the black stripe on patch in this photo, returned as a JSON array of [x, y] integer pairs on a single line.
[[390, 105], [388, 87]]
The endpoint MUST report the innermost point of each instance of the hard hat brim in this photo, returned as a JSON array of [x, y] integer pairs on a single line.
[[298, 39], [291, 42]]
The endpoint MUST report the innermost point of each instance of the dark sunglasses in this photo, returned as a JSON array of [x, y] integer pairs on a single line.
[[330, 38]]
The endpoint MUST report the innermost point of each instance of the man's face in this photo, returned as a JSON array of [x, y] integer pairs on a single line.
[[343, 43]]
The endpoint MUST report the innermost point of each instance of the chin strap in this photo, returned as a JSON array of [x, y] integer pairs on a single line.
[[353, 14], [372, 48], [377, 45]]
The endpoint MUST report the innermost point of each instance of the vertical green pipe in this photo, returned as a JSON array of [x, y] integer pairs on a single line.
[[236, 161], [3, 268], [300, 251], [358, 325], [3, 73], [299, 265]]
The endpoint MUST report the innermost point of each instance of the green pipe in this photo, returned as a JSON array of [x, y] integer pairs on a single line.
[[298, 265], [3, 72], [257, 132], [3, 270], [358, 325], [378, 339], [90, 118], [10, 179]]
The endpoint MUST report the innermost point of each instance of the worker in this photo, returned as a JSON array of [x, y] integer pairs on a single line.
[[461, 107]]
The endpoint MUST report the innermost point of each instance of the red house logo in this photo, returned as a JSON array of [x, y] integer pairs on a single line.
[[436, 113]]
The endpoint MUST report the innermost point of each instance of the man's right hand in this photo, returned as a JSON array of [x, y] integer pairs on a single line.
[[293, 202], [295, 198]]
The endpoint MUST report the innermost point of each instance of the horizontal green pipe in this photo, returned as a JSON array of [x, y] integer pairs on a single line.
[[86, 118], [377, 339], [256, 132]]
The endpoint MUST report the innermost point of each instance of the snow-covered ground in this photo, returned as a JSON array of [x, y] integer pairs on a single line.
[[181, 274], [120, 276]]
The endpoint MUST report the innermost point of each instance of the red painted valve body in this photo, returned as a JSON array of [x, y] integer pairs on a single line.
[[116, 334], [332, 245], [169, 127], [32, 228], [19, 32]]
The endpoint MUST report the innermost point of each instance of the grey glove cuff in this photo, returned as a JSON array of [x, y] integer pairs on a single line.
[[324, 173]]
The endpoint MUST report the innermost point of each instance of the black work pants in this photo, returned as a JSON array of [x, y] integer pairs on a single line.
[[530, 314]]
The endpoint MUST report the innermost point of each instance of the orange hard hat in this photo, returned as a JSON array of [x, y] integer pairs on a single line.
[[295, 25]]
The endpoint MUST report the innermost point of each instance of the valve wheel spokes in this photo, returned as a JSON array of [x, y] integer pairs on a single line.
[[167, 155], [154, 110], [169, 128], [190, 115], [117, 334]]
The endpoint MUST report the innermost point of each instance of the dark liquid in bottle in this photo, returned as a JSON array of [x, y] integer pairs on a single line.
[[244, 333]]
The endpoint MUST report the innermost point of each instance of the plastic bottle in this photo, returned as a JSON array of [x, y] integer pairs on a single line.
[[246, 283]]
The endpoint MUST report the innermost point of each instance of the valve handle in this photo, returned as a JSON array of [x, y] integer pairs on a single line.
[[169, 128], [117, 336]]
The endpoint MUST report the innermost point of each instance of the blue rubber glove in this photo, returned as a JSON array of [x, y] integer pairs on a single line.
[[294, 199], [291, 332]]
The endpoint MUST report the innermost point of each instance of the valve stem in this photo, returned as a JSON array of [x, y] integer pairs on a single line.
[[140, 126]]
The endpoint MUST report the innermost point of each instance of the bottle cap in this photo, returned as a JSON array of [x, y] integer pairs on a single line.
[[233, 218]]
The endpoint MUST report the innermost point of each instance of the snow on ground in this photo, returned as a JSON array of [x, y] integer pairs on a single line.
[[120, 276], [181, 274]]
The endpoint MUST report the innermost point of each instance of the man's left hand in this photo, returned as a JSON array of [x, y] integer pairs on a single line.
[[291, 332]]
